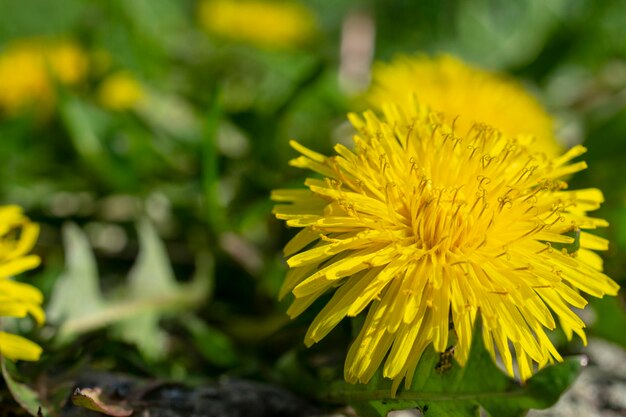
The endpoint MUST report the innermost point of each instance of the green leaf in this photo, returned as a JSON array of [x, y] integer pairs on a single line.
[[157, 20], [216, 214], [85, 126], [151, 277], [461, 391], [214, 345], [23, 394], [292, 372], [81, 128], [610, 321], [152, 292], [500, 36], [18, 20], [79, 281]]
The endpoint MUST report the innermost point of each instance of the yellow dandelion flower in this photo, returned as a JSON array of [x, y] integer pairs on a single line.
[[468, 94], [268, 24], [423, 227], [121, 91], [17, 237], [28, 69]]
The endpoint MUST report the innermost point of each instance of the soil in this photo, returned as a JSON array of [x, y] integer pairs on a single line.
[[226, 398]]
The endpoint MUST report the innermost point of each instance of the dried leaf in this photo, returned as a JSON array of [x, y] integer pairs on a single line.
[[90, 398]]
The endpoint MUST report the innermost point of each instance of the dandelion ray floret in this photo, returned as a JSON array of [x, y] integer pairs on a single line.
[[466, 94], [421, 226], [17, 237]]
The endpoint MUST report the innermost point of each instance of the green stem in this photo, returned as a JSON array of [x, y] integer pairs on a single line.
[[348, 396], [216, 214]]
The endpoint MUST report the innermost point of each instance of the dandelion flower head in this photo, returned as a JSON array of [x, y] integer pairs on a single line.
[[264, 23], [121, 91], [423, 225], [29, 68], [469, 94], [17, 237]]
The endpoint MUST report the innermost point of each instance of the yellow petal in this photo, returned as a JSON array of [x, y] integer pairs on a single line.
[[15, 348], [16, 266]]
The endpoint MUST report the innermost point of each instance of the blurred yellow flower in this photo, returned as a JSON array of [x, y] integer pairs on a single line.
[[426, 230], [121, 91], [29, 68], [464, 94], [264, 23], [17, 237]]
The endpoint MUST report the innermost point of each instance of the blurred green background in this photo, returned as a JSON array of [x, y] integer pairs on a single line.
[[148, 153]]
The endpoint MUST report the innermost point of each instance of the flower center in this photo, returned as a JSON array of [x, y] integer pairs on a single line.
[[438, 219]]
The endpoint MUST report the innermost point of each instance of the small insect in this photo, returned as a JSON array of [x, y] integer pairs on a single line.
[[445, 360]]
